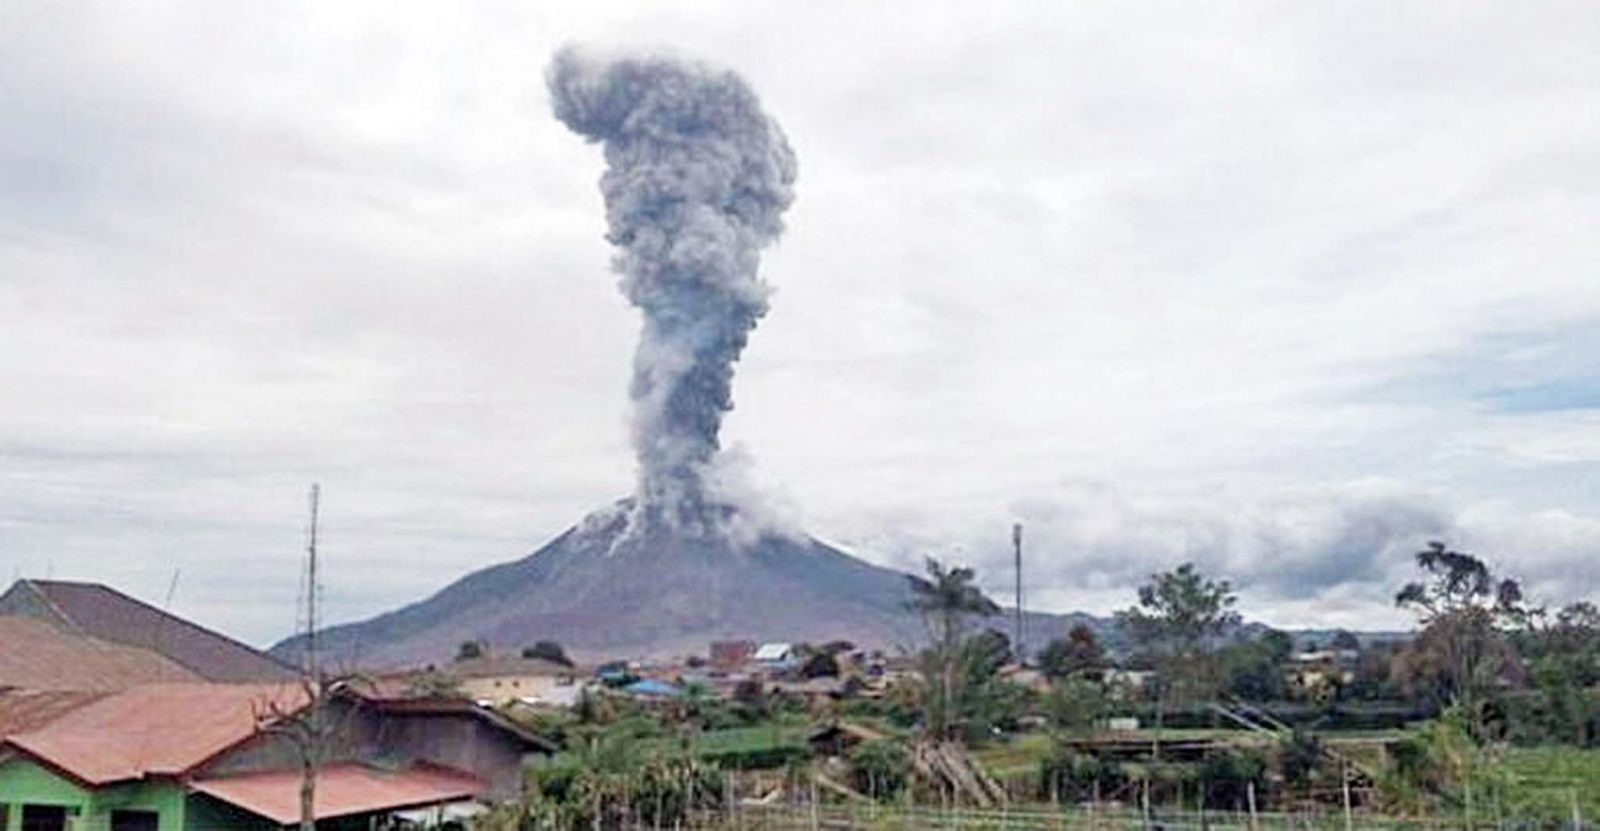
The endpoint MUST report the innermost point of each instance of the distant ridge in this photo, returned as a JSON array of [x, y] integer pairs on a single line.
[[603, 596]]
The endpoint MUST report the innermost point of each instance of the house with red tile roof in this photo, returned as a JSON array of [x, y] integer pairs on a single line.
[[206, 757]]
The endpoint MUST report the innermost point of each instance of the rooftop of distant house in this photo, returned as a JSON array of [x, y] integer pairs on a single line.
[[37, 655], [102, 612], [774, 652]]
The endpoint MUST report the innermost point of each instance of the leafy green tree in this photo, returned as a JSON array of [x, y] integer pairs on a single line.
[[1373, 677], [547, 651], [880, 768], [948, 600], [1440, 767], [1562, 651], [1278, 644], [1076, 704], [1227, 776], [1255, 671], [1299, 761], [1461, 651], [986, 702], [1068, 775], [1078, 653], [821, 664], [1180, 617]]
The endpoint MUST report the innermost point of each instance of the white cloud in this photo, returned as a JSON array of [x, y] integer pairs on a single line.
[[1210, 263]]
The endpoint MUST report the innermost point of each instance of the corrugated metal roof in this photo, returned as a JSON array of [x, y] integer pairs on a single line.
[[24, 710], [160, 729], [773, 652], [35, 655], [108, 614], [343, 790], [652, 687]]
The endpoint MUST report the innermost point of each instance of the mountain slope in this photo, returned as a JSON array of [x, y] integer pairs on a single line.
[[663, 594]]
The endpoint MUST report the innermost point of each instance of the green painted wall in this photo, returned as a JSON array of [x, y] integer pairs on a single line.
[[22, 782], [207, 814]]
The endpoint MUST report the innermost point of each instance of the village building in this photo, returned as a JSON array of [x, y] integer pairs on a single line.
[[109, 615], [1129, 683], [208, 757], [498, 681], [731, 656], [35, 655], [776, 657], [1316, 672]]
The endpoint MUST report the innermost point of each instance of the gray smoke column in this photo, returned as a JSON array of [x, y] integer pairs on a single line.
[[697, 179]]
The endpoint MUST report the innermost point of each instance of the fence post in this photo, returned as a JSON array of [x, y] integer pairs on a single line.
[[815, 819], [1467, 782], [1250, 795], [1349, 819]]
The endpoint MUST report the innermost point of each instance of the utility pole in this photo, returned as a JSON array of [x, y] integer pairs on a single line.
[[1016, 639], [311, 587], [300, 719], [311, 753]]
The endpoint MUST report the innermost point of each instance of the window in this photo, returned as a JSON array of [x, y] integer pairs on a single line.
[[44, 818], [135, 820]]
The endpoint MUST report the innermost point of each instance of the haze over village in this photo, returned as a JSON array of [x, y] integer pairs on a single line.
[[1106, 410]]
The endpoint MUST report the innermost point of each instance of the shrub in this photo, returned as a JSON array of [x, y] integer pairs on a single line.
[[1226, 778], [1069, 776], [1299, 757], [880, 768]]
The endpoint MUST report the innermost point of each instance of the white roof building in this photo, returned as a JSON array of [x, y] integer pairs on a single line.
[[772, 653]]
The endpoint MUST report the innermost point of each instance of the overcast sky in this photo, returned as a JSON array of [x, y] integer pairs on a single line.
[[1279, 291]]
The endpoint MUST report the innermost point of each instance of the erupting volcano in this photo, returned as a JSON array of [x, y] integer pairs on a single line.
[[697, 179]]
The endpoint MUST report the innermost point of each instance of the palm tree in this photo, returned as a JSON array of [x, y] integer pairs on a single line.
[[946, 598]]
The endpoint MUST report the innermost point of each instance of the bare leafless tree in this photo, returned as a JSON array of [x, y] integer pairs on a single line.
[[308, 724]]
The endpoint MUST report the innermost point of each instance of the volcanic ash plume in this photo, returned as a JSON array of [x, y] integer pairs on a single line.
[[697, 178]]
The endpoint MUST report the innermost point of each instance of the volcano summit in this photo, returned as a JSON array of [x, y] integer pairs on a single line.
[[697, 179]]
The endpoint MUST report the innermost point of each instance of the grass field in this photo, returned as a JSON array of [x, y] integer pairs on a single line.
[[739, 747], [1546, 780], [1542, 782], [1021, 756]]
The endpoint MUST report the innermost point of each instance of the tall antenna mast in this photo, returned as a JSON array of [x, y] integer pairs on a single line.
[[1016, 543], [311, 587]]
